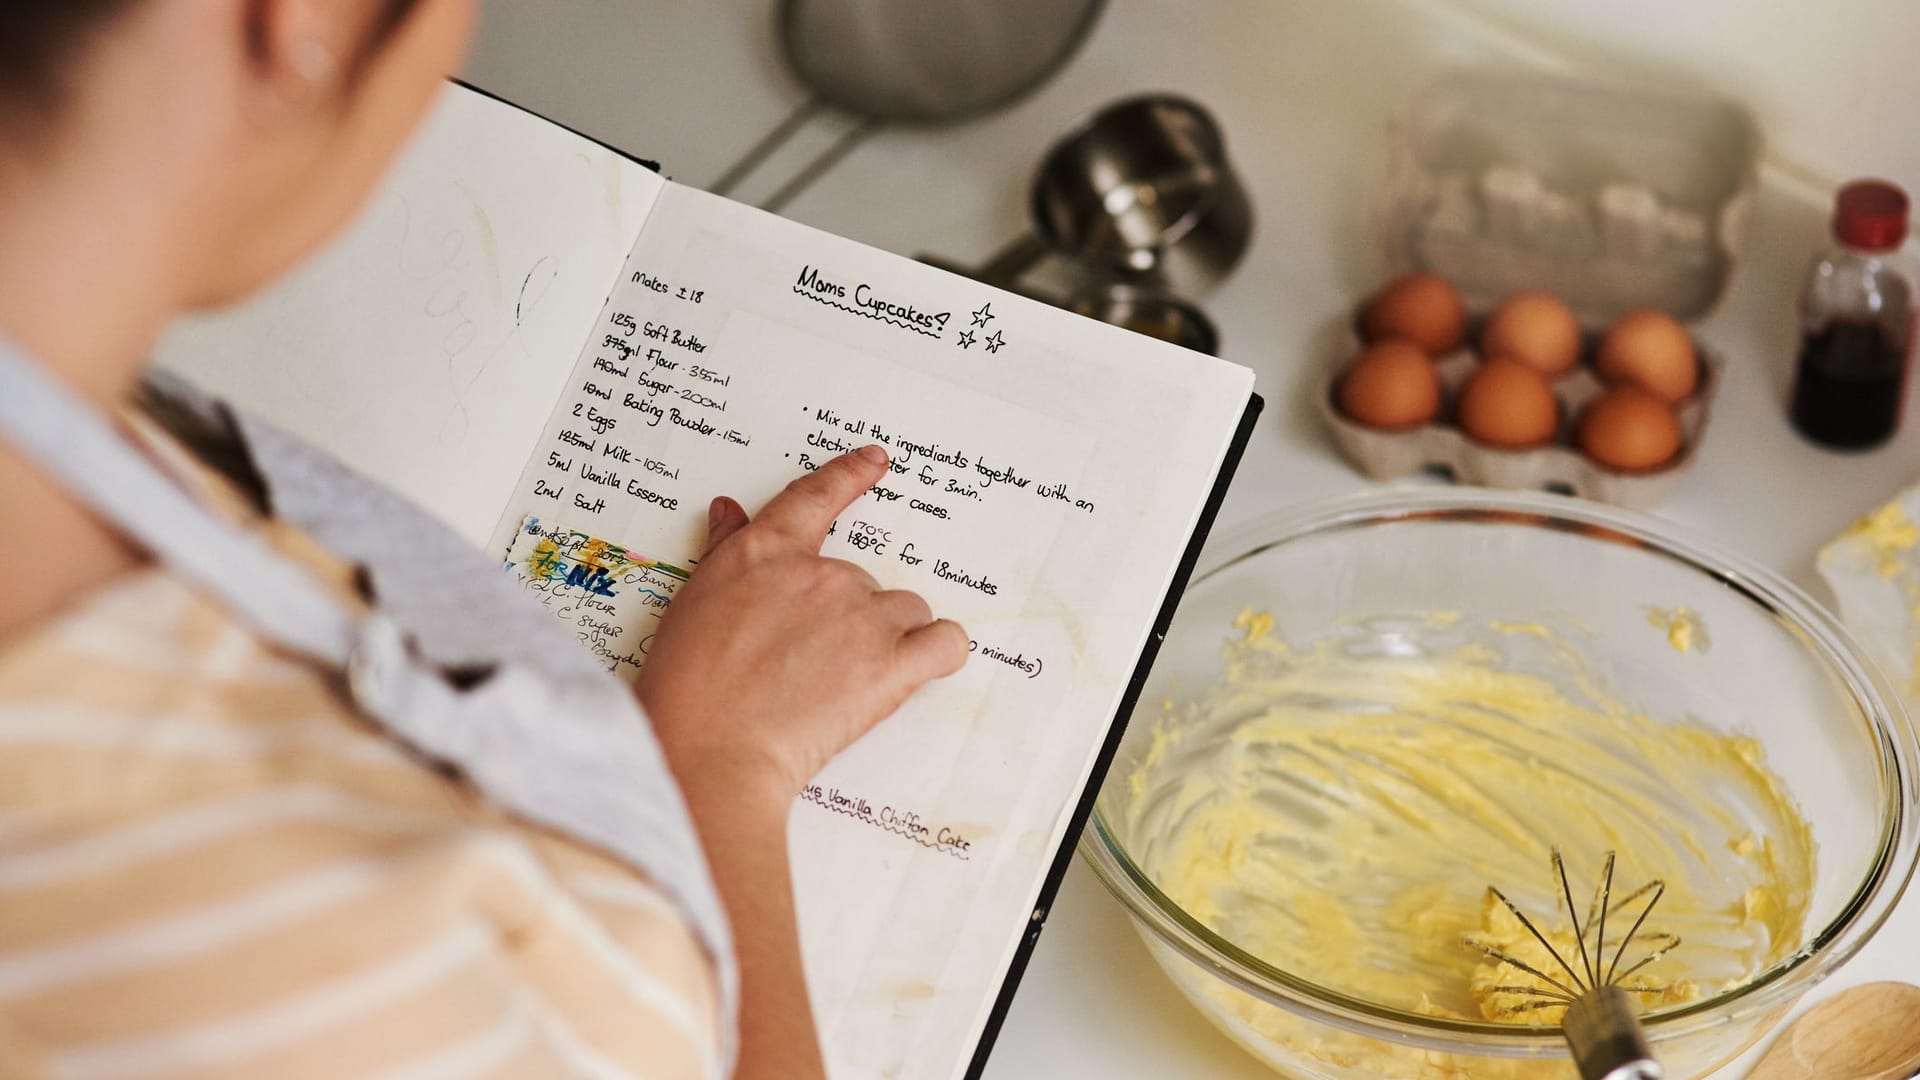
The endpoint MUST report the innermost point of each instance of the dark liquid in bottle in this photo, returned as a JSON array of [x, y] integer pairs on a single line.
[[1850, 385]]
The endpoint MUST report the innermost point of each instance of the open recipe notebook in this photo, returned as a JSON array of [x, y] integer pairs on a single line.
[[565, 357]]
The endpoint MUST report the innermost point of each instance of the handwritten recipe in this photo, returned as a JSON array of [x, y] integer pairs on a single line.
[[1026, 498]]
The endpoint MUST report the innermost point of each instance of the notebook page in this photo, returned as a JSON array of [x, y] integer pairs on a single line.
[[1047, 474], [426, 346]]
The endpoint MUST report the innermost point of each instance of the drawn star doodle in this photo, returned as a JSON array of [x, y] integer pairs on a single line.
[[966, 339], [993, 343], [984, 315]]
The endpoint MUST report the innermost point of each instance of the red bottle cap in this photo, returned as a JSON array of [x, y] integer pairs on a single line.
[[1870, 215]]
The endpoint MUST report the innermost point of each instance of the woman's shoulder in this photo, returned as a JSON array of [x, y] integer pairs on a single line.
[[192, 822], [142, 692]]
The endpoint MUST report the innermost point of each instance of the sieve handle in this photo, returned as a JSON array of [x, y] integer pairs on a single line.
[[824, 160], [772, 141]]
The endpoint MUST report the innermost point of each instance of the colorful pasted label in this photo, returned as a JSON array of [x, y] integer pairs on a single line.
[[610, 597]]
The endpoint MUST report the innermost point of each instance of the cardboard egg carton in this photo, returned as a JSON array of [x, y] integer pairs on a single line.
[[1441, 450], [1611, 199]]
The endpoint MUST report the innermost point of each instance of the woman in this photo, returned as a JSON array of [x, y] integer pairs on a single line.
[[253, 819]]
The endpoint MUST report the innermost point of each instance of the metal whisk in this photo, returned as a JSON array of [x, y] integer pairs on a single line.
[[1600, 1025]]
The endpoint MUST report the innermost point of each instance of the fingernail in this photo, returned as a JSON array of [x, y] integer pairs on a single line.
[[715, 511], [873, 454]]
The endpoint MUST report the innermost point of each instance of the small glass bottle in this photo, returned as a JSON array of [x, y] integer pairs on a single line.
[[1856, 325]]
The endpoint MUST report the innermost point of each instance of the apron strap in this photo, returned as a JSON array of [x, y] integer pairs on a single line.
[[78, 446]]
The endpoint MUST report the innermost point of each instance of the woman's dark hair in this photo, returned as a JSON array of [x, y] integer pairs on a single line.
[[39, 38], [36, 37]]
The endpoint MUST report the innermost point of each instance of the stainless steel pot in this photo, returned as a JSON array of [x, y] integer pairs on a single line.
[[1145, 311], [1141, 192]]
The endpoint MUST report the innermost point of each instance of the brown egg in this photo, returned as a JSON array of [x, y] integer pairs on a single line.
[[1422, 308], [1630, 430], [1392, 385], [1648, 349], [1536, 329], [1508, 404]]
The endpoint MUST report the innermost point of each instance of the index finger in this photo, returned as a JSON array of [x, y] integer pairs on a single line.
[[808, 505]]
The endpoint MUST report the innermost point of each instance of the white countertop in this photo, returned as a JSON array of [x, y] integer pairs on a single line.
[[1303, 91]]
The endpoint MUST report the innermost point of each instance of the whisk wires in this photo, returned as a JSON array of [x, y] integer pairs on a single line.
[[1595, 970]]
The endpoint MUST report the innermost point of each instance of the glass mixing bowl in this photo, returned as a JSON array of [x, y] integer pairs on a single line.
[[1778, 669]]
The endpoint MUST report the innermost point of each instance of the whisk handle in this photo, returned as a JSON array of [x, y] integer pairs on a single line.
[[1606, 1039]]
